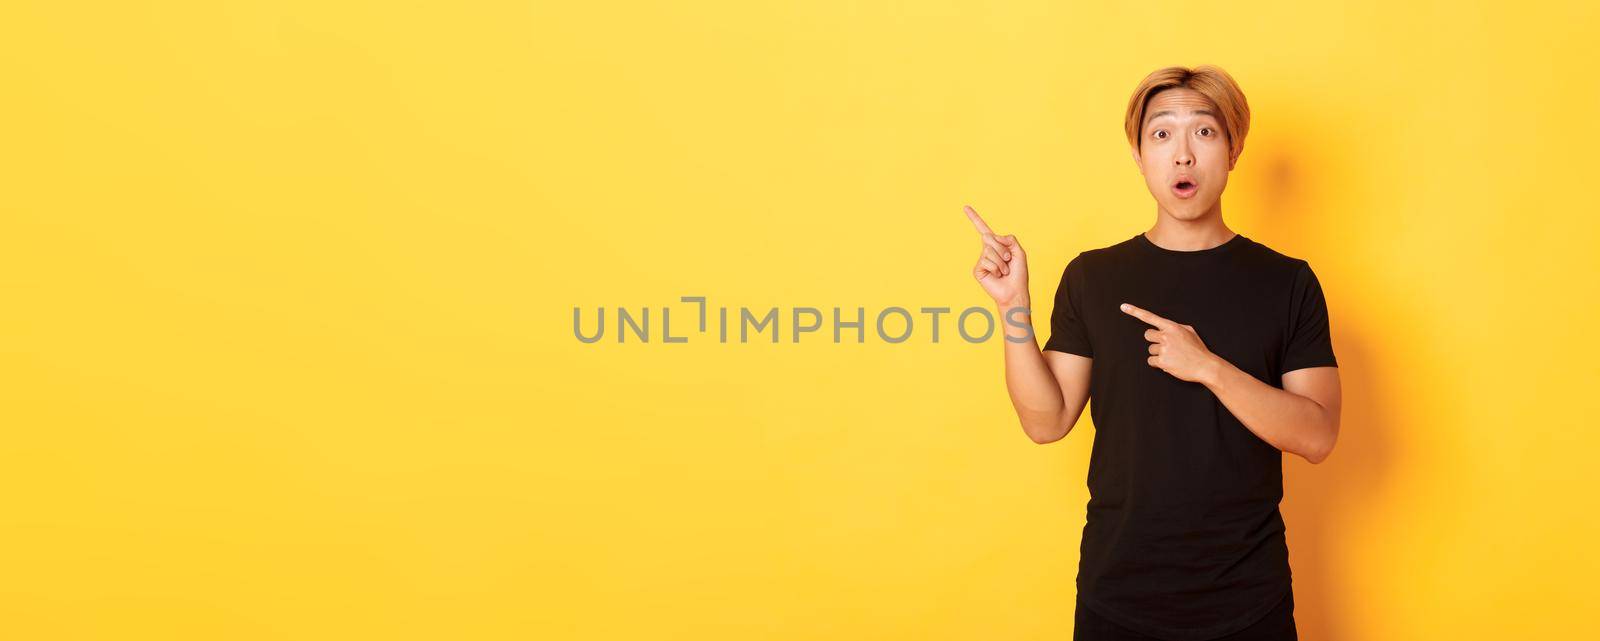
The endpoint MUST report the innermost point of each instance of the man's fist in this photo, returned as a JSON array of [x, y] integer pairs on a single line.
[[1002, 267]]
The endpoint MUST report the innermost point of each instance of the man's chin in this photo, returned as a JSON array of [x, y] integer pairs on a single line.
[[1186, 211]]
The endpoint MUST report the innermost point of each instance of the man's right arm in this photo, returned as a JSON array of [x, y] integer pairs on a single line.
[[1049, 389]]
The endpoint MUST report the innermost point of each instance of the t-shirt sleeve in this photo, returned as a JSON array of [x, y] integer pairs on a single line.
[[1310, 343], [1067, 330]]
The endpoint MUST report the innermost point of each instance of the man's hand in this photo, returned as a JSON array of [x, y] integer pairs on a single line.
[[1002, 267], [1175, 347]]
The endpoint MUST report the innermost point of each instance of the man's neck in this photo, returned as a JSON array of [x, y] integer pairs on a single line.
[[1179, 235]]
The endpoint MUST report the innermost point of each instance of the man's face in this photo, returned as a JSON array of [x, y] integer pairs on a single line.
[[1184, 153]]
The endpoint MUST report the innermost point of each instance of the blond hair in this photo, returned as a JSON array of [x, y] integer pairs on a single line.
[[1208, 80]]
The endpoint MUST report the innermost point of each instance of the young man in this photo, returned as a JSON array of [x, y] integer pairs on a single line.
[[1207, 355]]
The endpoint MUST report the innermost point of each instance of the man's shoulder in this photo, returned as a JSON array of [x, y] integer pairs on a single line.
[[1274, 258], [1108, 252], [1079, 267]]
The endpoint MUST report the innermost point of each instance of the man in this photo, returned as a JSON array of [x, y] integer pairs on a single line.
[[1207, 355]]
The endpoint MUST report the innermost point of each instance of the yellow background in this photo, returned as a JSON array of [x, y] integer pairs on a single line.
[[288, 346]]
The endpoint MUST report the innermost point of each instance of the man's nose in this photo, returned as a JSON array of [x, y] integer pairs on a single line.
[[1183, 158]]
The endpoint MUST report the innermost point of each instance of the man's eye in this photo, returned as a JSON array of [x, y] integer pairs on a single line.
[[1205, 129], [1158, 133]]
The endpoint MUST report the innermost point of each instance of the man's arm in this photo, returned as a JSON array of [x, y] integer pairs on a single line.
[[1048, 389], [1048, 395], [1302, 418]]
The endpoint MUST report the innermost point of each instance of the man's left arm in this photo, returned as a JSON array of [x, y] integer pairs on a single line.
[[1302, 418]]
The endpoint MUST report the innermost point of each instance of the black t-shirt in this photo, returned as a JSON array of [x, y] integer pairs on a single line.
[[1184, 539]]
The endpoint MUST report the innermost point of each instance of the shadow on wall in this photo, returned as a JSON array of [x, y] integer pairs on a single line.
[[1289, 186]]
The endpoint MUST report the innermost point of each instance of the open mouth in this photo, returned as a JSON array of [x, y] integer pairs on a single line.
[[1185, 188]]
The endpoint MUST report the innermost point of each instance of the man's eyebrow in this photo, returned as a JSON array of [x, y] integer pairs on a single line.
[[1197, 112]]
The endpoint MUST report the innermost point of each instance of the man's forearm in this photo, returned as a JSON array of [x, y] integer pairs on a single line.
[[1285, 420], [1034, 391]]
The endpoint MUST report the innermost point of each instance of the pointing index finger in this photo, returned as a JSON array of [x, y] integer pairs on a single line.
[[1146, 316], [972, 214]]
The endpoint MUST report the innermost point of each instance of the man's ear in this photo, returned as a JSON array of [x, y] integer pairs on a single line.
[[1136, 162]]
